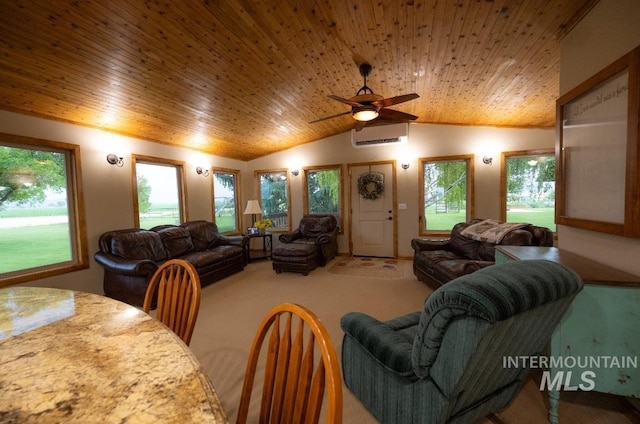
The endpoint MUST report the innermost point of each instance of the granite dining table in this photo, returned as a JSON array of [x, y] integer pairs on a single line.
[[73, 357]]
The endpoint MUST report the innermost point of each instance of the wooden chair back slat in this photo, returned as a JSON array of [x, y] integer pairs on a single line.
[[295, 380], [282, 367], [315, 395], [270, 371], [177, 287], [306, 375], [293, 374]]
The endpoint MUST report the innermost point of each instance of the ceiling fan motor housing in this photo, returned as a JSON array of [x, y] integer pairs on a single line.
[[365, 69]]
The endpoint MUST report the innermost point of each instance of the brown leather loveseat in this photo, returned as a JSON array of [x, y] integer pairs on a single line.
[[438, 261], [131, 256]]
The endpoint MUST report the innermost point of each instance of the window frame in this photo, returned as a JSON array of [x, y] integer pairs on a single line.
[[503, 175], [286, 172], [152, 160], [305, 192], [237, 184], [75, 200], [470, 200]]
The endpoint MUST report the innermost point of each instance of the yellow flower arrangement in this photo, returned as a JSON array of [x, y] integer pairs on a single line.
[[263, 223]]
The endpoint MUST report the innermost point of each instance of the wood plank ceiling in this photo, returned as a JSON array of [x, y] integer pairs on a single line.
[[242, 79]]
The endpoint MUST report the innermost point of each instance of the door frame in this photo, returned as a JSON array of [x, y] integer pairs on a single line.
[[394, 208]]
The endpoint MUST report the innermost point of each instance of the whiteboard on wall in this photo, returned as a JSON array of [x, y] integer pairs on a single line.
[[594, 147]]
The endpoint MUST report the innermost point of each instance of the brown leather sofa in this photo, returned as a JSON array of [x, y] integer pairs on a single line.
[[438, 261], [131, 256]]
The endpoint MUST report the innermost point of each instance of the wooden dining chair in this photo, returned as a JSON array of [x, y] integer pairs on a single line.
[[298, 369], [178, 291]]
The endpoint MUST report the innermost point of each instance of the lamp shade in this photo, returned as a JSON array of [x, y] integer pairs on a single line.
[[253, 207]]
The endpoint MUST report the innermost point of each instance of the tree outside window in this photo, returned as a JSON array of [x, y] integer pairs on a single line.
[[159, 192], [41, 211], [274, 197], [323, 191], [446, 192], [529, 188], [225, 202]]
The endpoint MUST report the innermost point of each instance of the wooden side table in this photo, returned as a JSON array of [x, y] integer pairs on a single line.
[[602, 322], [267, 246]]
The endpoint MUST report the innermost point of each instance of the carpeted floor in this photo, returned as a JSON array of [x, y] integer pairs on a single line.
[[231, 310]]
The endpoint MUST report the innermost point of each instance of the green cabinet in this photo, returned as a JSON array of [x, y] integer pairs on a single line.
[[596, 346]]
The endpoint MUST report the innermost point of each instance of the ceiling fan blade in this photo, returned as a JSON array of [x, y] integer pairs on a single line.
[[395, 115], [395, 100], [331, 117], [343, 100]]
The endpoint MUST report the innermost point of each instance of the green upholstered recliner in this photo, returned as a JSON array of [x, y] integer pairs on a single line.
[[445, 364]]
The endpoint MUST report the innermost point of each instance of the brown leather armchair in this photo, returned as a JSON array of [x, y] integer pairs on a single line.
[[314, 242], [319, 230]]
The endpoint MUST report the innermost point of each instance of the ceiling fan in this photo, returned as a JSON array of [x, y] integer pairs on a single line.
[[368, 108]]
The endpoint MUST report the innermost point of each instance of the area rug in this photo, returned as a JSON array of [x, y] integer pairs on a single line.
[[369, 267]]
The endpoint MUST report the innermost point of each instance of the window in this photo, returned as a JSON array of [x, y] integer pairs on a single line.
[[41, 209], [446, 192], [528, 187], [274, 197], [158, 191], [323, 194], [225, 202]]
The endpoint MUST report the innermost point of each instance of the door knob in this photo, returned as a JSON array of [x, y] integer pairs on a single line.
[[390, 219]]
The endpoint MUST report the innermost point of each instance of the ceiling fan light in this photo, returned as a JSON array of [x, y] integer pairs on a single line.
[[365, 114]]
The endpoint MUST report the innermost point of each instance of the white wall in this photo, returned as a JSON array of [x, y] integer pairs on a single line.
[[611, 30], [107, 189], [424, 141]]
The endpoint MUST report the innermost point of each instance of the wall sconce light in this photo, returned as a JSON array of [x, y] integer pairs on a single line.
[[295, 172], [487, 160], [115, 160], [201, 171], [405, 165]]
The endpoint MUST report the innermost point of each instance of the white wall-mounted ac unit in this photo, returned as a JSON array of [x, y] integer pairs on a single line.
[[380, 135]]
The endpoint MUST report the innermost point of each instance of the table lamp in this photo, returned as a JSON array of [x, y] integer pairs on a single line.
[[253, 208]]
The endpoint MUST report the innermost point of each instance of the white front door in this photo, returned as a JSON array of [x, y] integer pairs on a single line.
[[372, 213]]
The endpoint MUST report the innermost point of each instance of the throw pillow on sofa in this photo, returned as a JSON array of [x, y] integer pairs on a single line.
[[138, 244], [204, 234], [177, 241]]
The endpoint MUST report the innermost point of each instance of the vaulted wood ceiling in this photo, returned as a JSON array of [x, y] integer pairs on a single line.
[[242, 79]]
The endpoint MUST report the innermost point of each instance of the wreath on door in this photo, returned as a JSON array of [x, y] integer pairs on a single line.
[[371, 185]]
